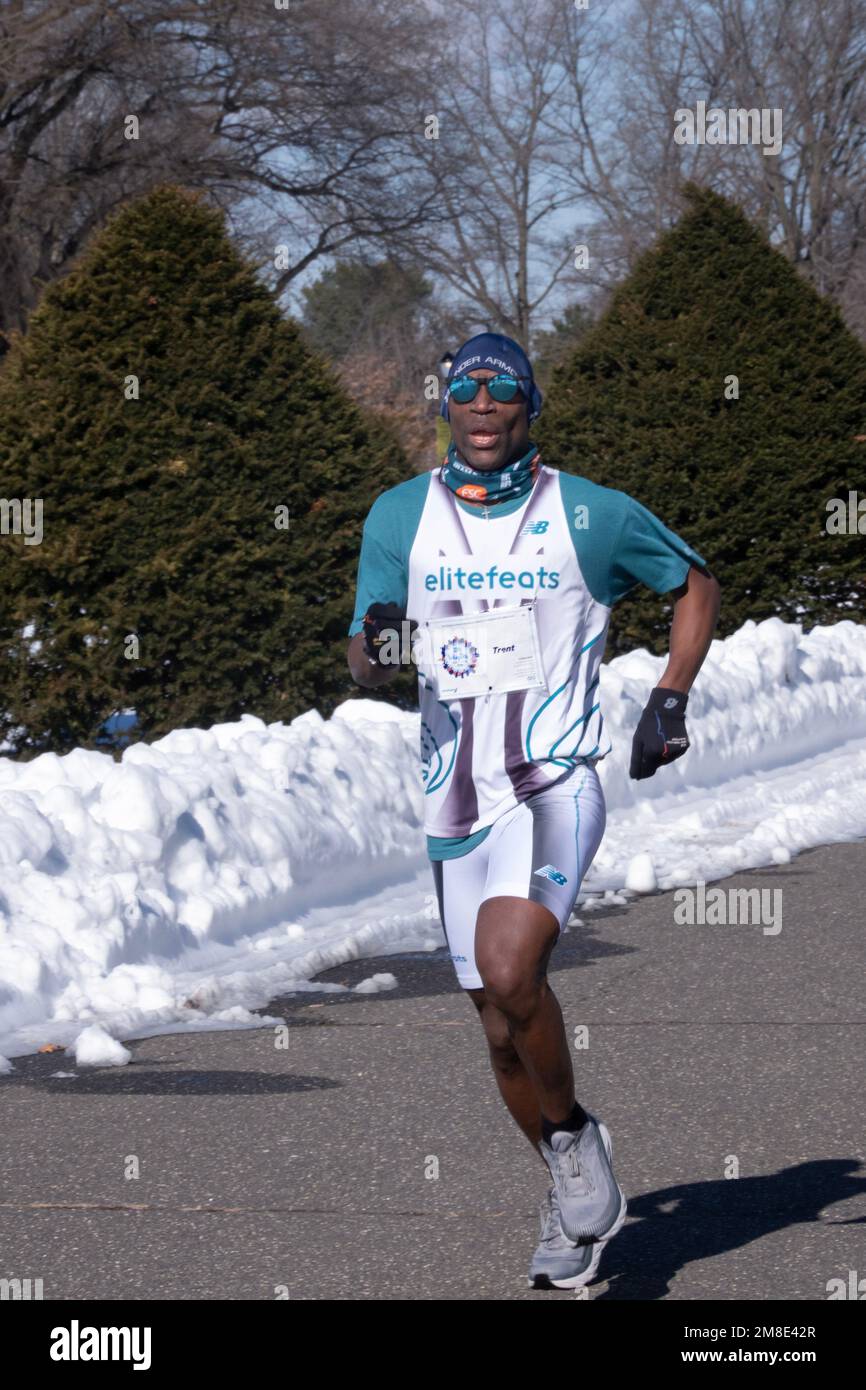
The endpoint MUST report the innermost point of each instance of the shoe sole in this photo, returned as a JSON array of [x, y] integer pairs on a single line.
[[575, 1281]]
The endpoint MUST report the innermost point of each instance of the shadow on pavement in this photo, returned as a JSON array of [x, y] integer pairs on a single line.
[[136, 1079], [699, 1221], [426, 974]]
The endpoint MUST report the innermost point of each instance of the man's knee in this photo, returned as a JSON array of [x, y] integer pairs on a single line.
[[513, 941], [513, 989]]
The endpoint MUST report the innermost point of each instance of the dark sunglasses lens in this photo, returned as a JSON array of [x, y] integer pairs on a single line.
[[503, 388], [463, 389]]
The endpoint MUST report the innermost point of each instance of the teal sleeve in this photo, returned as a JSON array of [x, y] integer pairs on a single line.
[[647, 552], [387, 537], [620, 543]]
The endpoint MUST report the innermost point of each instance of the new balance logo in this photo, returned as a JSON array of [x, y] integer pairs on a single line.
[[549, 871], [535, 528]]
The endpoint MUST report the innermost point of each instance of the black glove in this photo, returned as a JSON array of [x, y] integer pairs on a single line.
[[381, 622], [660, 736]]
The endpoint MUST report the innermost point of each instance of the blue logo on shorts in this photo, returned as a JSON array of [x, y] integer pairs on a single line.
[[553, 874]]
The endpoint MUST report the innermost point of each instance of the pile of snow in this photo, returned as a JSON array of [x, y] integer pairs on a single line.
[[211, 871], [95, 1048]]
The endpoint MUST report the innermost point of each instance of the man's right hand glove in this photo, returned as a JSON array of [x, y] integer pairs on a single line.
[[660, 736], [381, 621]]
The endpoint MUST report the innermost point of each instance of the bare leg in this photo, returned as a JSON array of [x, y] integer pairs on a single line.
[[512, 1078], [513, 941]]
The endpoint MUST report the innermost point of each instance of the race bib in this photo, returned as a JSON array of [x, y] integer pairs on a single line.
[[483, 653]]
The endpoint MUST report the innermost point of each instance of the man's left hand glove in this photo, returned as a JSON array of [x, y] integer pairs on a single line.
[[660, 736], [381, 618]]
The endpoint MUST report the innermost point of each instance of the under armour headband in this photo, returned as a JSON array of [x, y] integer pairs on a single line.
[[499, 354]]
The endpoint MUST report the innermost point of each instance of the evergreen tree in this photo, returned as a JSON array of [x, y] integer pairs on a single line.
[[648, 404], [552, 346], [366, 306], [167, 580]]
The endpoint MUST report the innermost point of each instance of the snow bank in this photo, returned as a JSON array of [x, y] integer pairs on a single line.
[[212, 870]]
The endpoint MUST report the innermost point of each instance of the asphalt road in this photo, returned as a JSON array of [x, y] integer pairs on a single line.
[[371, 1158]]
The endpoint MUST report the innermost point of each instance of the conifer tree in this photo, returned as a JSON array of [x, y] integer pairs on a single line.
[[203, 481], [727, 396]]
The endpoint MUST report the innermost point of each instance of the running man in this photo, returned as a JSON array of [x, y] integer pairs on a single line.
[[504, 570]]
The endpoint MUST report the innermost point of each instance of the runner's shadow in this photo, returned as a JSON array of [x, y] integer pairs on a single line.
[[697, 1221]]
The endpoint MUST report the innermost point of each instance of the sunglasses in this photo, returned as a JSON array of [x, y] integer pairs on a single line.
[[464, 389]]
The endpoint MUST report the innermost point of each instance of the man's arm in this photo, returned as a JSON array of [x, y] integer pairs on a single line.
[[696, 612], [660, 736], [364, 672]]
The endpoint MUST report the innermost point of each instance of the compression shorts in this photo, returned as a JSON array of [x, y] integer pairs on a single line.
[[539, 850]]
